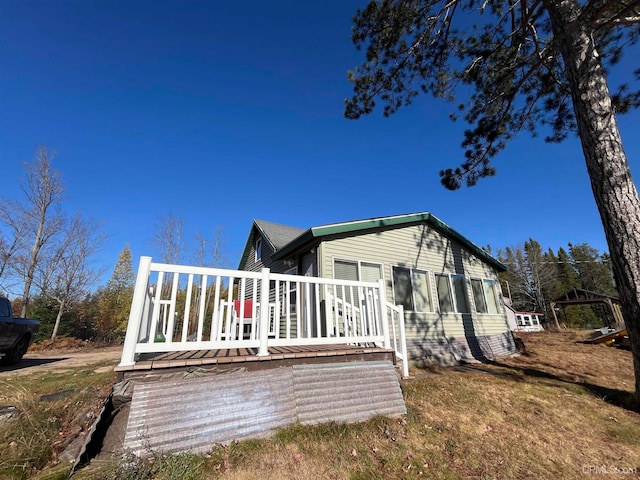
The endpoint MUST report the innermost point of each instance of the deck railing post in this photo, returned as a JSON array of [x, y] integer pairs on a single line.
[[382, 295], [264, 313], [403, 342], [135, 315]]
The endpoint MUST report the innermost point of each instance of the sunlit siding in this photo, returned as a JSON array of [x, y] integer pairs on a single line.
[[425, 248]]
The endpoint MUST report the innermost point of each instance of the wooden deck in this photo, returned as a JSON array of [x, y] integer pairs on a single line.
[[247, 357]]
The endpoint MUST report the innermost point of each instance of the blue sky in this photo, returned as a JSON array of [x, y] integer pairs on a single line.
[[222, 112]]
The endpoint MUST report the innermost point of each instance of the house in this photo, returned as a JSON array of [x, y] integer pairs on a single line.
[[522, 321], [447, 285], [290, 336]]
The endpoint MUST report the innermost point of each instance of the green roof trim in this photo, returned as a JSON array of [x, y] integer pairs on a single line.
[[315, 234]]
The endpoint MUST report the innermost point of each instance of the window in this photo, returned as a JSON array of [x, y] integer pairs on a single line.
[[345, 270], [460, 292], [485, 296], [258, 249], [445, 298], [411, 289], [352, 270], [450, 289]]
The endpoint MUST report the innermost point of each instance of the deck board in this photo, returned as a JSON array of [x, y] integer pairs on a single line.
[[226, 357]]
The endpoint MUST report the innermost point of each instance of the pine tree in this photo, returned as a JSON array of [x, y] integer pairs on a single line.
[[523, 64], [594, 274], [116, 298]]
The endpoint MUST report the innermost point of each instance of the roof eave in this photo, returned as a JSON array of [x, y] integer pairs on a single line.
[[297, 243], [316, 233]]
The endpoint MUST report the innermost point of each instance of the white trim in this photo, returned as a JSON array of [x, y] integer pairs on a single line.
[[358, 264], [453, 293], [484, 293], [429, 283], [258, 249]]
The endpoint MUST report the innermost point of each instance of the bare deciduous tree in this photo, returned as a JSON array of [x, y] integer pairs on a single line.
[[168, 239], [67, 276], [210, 251], [32, 223]]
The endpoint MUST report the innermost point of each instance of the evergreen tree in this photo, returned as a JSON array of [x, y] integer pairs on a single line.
[[116, 299], [517, 278], [594, 274], [524, 63], [537, 273]]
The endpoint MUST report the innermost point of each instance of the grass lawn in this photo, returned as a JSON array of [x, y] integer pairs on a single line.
[[562, 410]]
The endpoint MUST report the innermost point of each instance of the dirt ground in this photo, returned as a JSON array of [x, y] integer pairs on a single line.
[[56, 360]]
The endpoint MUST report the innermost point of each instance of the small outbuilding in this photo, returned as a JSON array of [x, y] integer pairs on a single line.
[[522, 321]]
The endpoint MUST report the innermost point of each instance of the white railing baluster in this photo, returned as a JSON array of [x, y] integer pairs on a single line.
[[216, 321], [307, 310], [403, 342], [383, 313], [362, 298], [201, 310], [172, 309], [229, 325], [303, 311], [240, 313], [155, 312], [264, 313], [187, 309], [334, 306], [288, 310], [298, 310], [254, 312], [316, 295], [328, 317], [276, 313]]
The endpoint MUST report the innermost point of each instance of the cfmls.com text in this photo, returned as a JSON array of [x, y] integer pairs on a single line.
[[609, 470]]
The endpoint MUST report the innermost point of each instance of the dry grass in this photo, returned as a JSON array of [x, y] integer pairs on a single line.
[[555, 412], [545, 414], [53, 408]]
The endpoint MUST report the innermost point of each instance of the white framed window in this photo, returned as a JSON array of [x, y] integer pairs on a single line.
[[485, 296], [258, 249], [412, 289], [357, 271], [451, 293]]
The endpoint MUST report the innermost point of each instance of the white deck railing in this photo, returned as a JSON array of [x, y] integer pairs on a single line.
[[179, 308]]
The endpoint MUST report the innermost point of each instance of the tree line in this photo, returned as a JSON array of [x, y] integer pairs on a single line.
[[536, 277], [49, 259]]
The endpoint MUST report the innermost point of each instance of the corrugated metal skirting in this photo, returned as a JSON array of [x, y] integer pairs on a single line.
[[196, 413]]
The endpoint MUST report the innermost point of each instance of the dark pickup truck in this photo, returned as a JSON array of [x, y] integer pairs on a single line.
[[16, 334]]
